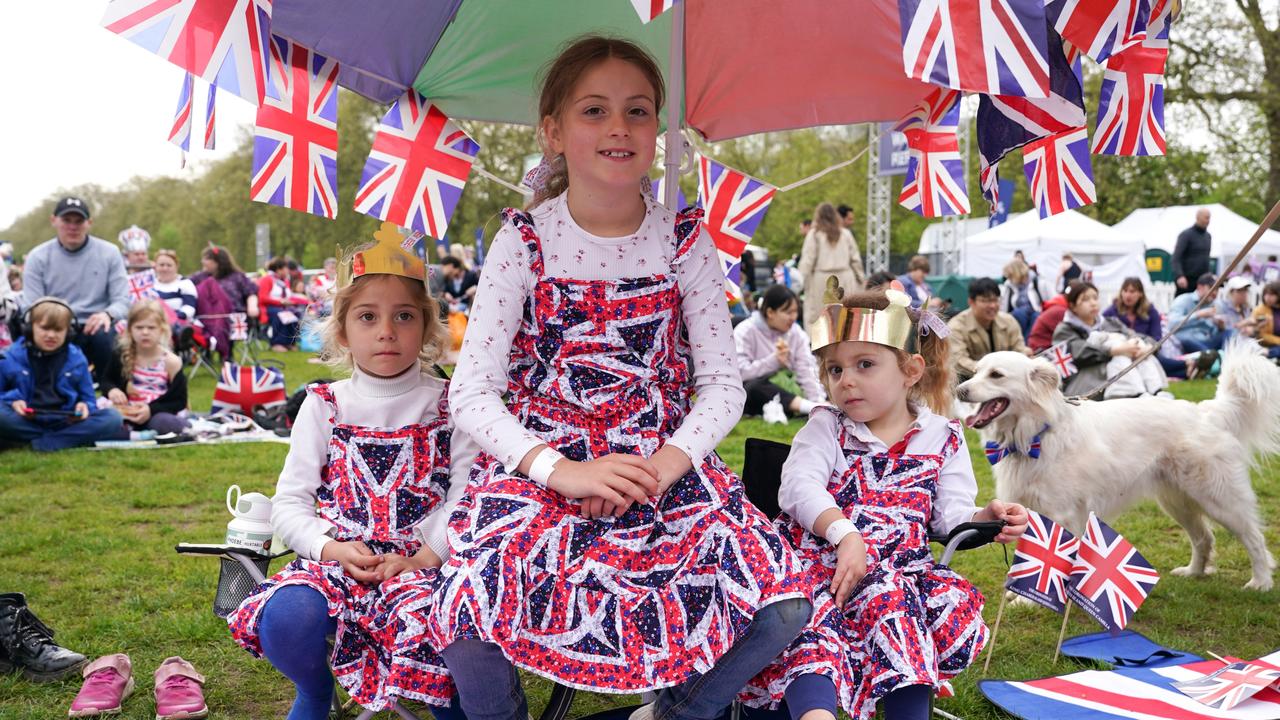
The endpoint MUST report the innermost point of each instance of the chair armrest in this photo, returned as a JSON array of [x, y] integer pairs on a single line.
[[227, 551], [967, 536]]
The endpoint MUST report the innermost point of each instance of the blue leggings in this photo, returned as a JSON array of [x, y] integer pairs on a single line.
[[294, 629], [817, 692]]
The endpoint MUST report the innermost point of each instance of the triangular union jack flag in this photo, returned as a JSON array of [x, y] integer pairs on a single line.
[[1229, 686], [648, 10], [1102, 28], [417, 167], [987, 46], [1131, 103], [224, 42], [210, 137], [1059, 172], [1063, 362], [295, 140], [1110, 579], [934, 185], [1042, 563], [735, 205], [180, 132]]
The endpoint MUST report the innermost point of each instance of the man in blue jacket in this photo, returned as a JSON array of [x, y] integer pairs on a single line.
[[46, 392]]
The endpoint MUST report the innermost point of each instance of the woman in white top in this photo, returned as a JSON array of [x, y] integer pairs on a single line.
[[770, 341], [828, 250]]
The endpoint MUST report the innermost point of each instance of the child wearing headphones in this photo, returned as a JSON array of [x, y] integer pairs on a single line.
[[46, 391]]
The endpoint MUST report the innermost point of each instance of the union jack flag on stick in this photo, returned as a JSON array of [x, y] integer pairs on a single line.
[[648, 10], [180, 132], [735, 205], [1228, 686], [1042, 563], [1059, 172], [934, 185], [209, 135], [295, 141], [224, 42], [239, 327], [417, 168], [988, 46], [142, 286], [1063, 362], [1110, 579]]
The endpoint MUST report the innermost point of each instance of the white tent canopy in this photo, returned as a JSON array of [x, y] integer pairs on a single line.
[[1158, 228], [931, 238], [1043, 242]]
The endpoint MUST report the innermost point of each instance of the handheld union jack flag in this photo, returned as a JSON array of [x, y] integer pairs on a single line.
[[244, 387], [239, 327], [224, 42], [1042, 563], [988, 46], [1062, 360], [648, 10], [934, 185], [417, 168], [180, 132], [1131, 104], [295, 140], [1102, 28], [1110, 578], [735, 204], [142, 286], [1059, 172], [209, 135], [1227, 687]]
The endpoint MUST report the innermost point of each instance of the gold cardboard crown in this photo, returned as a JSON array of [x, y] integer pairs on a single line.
[[386, 256], [837, 323]]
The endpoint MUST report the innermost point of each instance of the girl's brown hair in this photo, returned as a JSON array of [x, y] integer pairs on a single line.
[[827, 221], [1272, 287], [936, 386], [1075, 290], [563, 73], [1142, 308], [333, 329], [219, 255], [145, 309]]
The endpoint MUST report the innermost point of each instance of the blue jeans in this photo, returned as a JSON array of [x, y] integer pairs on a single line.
[[97, 349], [1026, 317], [47, 433], [1273, 352], [282, 333], [1215, 342]]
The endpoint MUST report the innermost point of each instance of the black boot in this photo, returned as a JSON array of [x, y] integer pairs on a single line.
[[27, 643]]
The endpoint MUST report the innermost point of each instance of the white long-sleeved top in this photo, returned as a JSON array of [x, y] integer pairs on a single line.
[[386, 403], [757, 344], [569, 252], [816, 456]]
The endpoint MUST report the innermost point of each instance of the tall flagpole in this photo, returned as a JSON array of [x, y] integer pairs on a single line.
[[674, 144]]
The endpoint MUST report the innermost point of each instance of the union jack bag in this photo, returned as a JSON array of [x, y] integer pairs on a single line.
[[244, 387]]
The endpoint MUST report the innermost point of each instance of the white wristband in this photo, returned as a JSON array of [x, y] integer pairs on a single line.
[[838, 529], [542, 466]]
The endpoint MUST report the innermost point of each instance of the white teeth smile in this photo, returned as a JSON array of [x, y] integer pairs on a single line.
[[616, 154]]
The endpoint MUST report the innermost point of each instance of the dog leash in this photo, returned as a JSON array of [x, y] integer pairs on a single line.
[[1266, 223]]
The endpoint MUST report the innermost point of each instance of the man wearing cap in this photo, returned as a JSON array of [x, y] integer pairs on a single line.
[[1190, 257], [1205, 330], [86, 272], [1234, 307]]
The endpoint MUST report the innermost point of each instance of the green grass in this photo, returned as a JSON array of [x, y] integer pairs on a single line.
[[89, 536]]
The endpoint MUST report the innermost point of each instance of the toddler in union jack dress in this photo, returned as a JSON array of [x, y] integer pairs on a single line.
[[867, 478]]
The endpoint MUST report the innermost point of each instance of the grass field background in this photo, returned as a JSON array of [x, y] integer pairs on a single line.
[[89, 537]]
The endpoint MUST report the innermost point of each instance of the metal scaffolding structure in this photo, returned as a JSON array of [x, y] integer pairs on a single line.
[[951, 244], [878, 204]]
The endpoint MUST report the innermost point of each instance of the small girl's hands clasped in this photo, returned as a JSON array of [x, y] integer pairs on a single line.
[[360, 563], [609, 484]]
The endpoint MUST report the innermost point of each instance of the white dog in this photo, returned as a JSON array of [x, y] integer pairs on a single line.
[[1194, 459]]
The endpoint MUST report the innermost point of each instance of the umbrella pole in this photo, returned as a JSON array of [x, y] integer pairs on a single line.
[[674, 150]]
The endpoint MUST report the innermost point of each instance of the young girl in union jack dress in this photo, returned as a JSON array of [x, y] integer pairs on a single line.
[[601, 542], [364, 500], [868, 478]]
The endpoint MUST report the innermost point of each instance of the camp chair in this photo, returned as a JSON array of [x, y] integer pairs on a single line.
[[195, 354]]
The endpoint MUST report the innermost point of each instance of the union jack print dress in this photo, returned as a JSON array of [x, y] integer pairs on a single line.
[[635, 603], [909, 621], [377, 486]]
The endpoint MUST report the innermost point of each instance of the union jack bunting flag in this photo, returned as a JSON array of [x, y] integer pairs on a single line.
[[295, 140], [735, 206], [417, 168], [142, 286], [209, 135], [650, 9], [1042, 563], [180, 132], [1007, 122], [416, 243], [1131, 103], [1062, 360], [479, 246], [660, 194], [1102, 28], [239, 327], [934, 185], [1059, 172], [1229, 686], [988, 46], [244, 387], [1110, 579], [224, 42]]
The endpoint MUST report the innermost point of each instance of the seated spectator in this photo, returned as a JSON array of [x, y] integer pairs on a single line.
[[459, 283], [1041, 337], [135, 243], [1102, 347], [1234, 309], [1021, 295], [46, 391], [770, 341], [1267, 316], [1205, 330], [913, 280], [322, 284], [1132, 308], [144, 380], [279, 306], [172, 289], [223, 289], [880, 279], [1069, 270], [15, 279], [982, 329]]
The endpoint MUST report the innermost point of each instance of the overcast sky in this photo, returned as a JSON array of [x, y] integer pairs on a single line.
[[81, 104]]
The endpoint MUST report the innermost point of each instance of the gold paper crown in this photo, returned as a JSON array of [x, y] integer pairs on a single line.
[[836, 323], [386, 256]]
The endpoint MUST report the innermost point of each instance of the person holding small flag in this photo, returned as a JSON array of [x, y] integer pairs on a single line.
[[1102, 347]]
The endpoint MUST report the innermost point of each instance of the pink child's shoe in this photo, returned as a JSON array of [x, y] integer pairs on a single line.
[[107, 682], [179, 692]]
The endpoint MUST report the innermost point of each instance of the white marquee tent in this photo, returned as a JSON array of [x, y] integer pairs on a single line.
[[1159, 228], [1094, 245]]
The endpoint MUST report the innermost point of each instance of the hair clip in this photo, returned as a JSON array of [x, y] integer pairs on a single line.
[[931, 323], [536, 179]]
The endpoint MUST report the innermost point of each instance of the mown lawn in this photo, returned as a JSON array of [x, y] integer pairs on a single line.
[[89, 537]]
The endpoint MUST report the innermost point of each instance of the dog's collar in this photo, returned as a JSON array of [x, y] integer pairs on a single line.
[[996, 452]]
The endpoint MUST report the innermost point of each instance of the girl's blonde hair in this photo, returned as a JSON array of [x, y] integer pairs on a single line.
[[146, 309], [1017, 272], [827, 221], [563, 73], [334, 328], [936, 386]]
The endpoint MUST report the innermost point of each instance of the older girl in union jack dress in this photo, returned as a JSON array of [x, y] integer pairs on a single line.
[[867, 479], [601, 542], [364, 500]]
